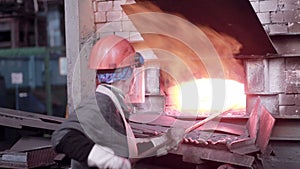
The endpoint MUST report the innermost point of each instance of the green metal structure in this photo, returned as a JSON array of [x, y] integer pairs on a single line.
[[38, 53]]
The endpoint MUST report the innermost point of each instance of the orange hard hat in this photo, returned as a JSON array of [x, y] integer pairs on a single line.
[[111, 52]]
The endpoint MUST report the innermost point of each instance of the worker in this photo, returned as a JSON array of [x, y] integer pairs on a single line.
[[97, 134]]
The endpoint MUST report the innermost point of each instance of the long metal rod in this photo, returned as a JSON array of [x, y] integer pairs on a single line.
[[191, 128], [200, 123]]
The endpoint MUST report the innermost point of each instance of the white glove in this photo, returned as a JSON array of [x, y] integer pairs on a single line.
[[156, 141], [104, 157], [176, 135], [173, 136]]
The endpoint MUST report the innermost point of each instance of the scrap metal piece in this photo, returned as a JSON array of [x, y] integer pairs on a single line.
[[28, 152], [247, 145], [252, 123], [14, 157], [243, 146], [30, 143], [18, 119], [195, 155], [33, 159], [260, 125], [212, 138], [266, 123]]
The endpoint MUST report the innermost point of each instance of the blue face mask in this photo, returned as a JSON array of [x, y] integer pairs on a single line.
[[111, 77]]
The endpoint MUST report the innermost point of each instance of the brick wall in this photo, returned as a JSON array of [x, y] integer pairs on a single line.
[[110, 19], [277, 82], [278, 16]]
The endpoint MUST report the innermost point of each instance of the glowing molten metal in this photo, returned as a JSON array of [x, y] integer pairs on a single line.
[[205, 96]]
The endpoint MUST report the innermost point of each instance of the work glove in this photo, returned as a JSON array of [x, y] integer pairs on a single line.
[[104, 158], [170, 139]]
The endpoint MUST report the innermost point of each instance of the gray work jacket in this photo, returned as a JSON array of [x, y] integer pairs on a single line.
[[88, 118]]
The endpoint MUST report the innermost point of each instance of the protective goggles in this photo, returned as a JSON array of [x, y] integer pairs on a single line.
[[111, 76], [117, 75]]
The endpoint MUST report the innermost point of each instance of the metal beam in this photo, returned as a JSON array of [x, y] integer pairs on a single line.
[[286, 128], [28, 51], [287, 44], [48, 83]]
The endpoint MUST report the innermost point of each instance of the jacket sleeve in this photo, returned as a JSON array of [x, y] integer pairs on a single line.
[[70, 140], [75, 145], [74, 140]]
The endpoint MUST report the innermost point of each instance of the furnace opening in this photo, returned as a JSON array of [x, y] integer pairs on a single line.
[[204, 92], [199, 83], [199, 73]]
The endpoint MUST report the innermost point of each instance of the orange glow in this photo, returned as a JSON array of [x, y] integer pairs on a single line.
[[204, 96], [199, 73]]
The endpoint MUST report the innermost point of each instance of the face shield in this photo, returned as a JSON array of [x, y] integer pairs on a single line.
[[130, 79]]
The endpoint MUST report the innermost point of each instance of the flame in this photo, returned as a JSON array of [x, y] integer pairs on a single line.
[[205, 95], [199, 73]]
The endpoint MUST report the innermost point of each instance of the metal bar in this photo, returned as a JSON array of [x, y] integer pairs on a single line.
[[198, 124], [17, 119], [48, 83], [197, 154]]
